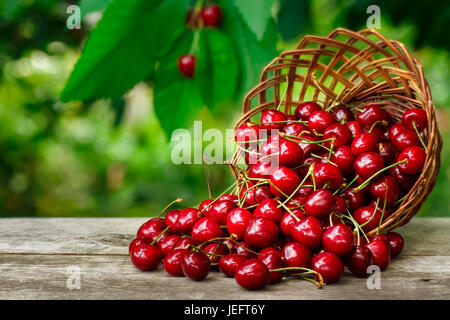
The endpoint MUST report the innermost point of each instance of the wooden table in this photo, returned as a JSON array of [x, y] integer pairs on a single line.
[[40, 259]]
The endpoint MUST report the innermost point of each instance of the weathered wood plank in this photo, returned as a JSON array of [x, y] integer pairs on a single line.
[[423, 236], [113, 277]]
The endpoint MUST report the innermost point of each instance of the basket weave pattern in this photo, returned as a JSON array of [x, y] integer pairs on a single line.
[[349, 69]]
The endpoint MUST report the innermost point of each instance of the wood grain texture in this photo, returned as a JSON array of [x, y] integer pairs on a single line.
[[35, 255]]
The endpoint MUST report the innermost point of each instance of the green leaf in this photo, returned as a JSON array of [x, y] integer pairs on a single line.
[[177, 100], [256, 14], [293, 18], [124, 47], [88, 6], [220, 76]]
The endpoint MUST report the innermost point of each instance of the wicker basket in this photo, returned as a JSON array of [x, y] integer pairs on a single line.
[[349, 68]]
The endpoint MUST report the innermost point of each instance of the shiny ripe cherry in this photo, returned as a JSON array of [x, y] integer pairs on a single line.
[[385, 189], [318, 121], [354, 128], [306, 109], [358, 260], [183, 243], [296, 255], [167, 244], [215, 251], [273, 259], [386, 150], [261, 170], [343, 115], [380, 252], [261, 232], [186, 65], [237, 222], [328, 265], [404, 181], [296, 201], [405, 139], [252, 274], [273, 119], [319, 203], [205, 206], [340, 134], [327, 174], [308, 147], [395, 129], [396, 243], [368, 213], [377, 132], [247, 135], [354, 199], [241, 249], [220, 209], [290, 118], [229, 263], [283, 181], [363, 142], [151, 228], [230, 197], [307, 231], [368, 164], [415, 117], [291, 154], [371, 114], [146, 257], [195, 265], [339, 204], [338, 239], [343, 157], [288, 220], [186, 220], [211, 15], [170, 219], [295, 129], [172, 262], [415, 159], [205, 229], [137, 242], [262, 193], [269, 209]]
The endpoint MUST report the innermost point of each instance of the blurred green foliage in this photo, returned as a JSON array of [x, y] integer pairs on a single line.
[[111, 157]]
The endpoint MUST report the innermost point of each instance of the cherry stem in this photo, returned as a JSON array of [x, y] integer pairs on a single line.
[[242, 200], [248, 151], [357, 226], [209, 205], [384, 208], [366, 183], [289, 211], [307, 271], [319, 157], [418, 134], [310, 171], [348, 185], [232, 240], [400, 200], [373, 215], [160, 235], [383, 122], [282, 98], [331, 149], [169, 205]]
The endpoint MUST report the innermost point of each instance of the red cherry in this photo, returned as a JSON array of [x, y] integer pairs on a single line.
[[381, 237], [170, 219], [367, 164], [247, 135], [290, 117], [318, 121], [295, 129], [354, 199], [339, 204], [287, 152], [261, 170], [328, 265], [151, 228], [404, 181], [262, 193], [387, 151], [261, 232], [395, 129], [183, 243], [405, 139], [319, 204], [205, 229], [229, 263], [304, 110], [363, 142], [368, 216], [396, 243], [283, 181], [296, 255], [344, 159], [220, 209], [380, 252], [417, 117], [211, 15], [241, 249], [215, 251], [354, 128], [186, 65], [377, 132], [137, 242], [297, 201], [340, 134], [205, 206], [146, 257], [172, 262], [307, 231], [385, 188], [269, 209], [168, 244], [343, 115], [230, 197], [273, 119], [327, 174], [288, 220], [371, 114], [415, 159], [186, 220], [195, 265], [237, 222], [252, 274], [273, 259], [338, 239], [308, 147], [358, 260]]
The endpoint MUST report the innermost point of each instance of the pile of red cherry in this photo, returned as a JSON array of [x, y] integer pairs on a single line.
[[340, 174]]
